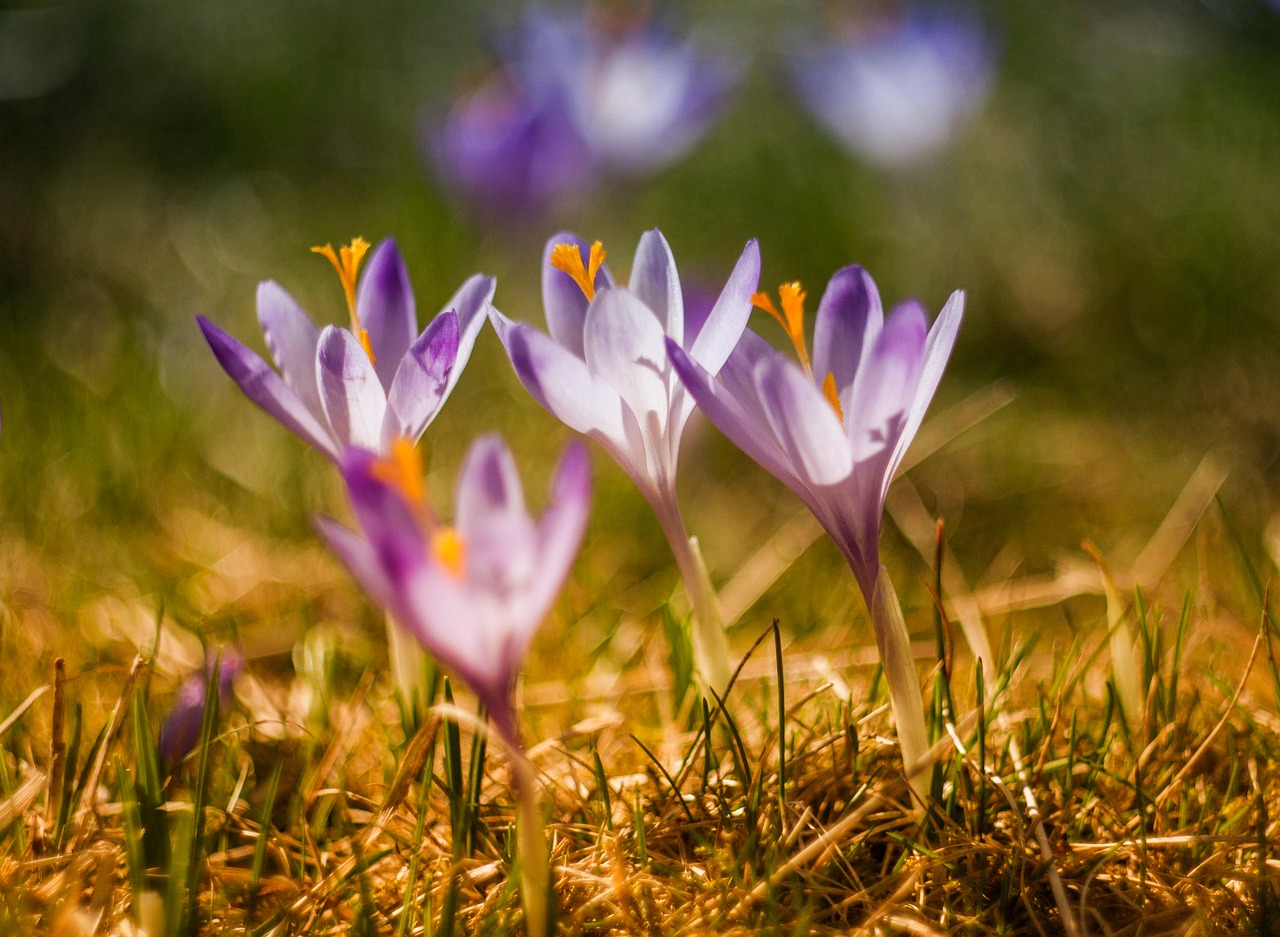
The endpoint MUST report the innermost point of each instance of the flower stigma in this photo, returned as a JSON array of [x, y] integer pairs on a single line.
[[450, 550], [568, 257], [402, 470], [346, 261], [791, 318], [832, 394]]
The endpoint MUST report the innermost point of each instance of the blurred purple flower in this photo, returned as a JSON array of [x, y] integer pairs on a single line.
[[835, 430], [896, 90], [472, 594], [180, 733], [604, 372], [363, 386], [639, 97]]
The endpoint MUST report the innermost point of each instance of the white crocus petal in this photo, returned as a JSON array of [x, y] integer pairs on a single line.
[[291, 338], [353, 398], [471, 302], [624, 346], [804, 423], [728, 318], [655, 282]]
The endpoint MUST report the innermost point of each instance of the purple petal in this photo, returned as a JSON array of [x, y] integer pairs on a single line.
[[470, 302], [266, 388], [488, 485], [624, 346], [353, 398], [422, 380], [389, 523], [561, 381], [811, 435], [735, 413], [886, 384], [849, 319], [560, 529], [655, 282], [385, 305], [291, 338], [563, 299], [490, 516], [937, 351], [724, 325], [360, 558]]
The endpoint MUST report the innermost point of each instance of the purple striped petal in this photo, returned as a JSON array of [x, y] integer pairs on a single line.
[[886, 385], [353, 398], [385, 305], [470, 303], [719, 334], [624, 346], [266, 388], [848, 321], [389, 523], [422, 380], [561, 381], [655, 282], [291, 338], [804, 423], [360, 558], [562, 298], [937, 351]]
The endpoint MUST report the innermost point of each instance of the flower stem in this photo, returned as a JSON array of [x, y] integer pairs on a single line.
[[711, 655], [531, 840], [409, 670], [894, 644]]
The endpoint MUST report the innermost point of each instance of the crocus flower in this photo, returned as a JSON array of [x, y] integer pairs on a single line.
[[473, 593], [895, 90], [510, 150], [181, 731], [834, 429], [604, 372], [639, 97], [367, 385]]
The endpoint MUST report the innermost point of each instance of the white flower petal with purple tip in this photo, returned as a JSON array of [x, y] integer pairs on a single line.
[[350, 391], [386, 307], [422, 380]]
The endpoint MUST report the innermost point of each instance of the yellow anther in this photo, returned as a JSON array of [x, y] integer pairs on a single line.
[[450, 549], [402, 470], [346, 261], [791, 318], [832, 394], [568, 257]]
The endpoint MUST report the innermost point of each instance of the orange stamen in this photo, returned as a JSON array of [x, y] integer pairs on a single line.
[[568, 257], [450, 549], [346, 261], [832, 394], [791, 318], [402, 470]]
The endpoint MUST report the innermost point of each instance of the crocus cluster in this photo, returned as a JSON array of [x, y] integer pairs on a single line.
[[574, 99]]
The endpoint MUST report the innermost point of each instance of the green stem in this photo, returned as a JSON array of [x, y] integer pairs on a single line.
[[894, 643], [408, 669]]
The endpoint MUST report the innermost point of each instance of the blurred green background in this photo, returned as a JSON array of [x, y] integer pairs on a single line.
[[1112, 214]]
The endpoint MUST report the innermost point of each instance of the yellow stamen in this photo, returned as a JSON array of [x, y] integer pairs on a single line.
[[450, 549], [346, 261], [832, 394], [568, 257], [402, 470], [791, 318]]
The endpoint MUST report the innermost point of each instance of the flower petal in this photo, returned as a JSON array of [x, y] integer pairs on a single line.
[[562, 298], [353, 398], [561, 381], [385, 305], [886, 384], [422, 380], [624, 346], [488, 485], [655, 282], [849, 319], [811, 435], [266, 388], [291, 338], [360, 558], [560, 529], [471, 303], [937, 351], [724, 325]]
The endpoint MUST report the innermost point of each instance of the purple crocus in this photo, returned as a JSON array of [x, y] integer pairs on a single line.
[[834, 429], [638, 96], [604, 372], [181, 731], [896, 88], [367, 385], [474, 593]]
